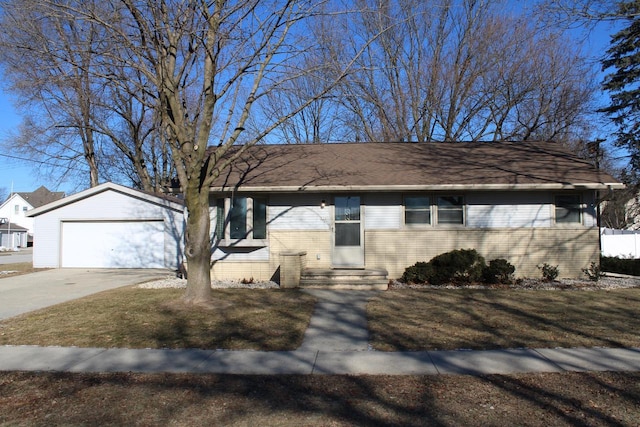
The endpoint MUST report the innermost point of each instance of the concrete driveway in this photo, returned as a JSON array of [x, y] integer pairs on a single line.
[[28, 292]]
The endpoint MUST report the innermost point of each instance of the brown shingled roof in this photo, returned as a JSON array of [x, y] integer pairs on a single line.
[[41, 196], [429, 166]]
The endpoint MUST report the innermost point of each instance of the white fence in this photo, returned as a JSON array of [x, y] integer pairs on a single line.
[[620, 243]]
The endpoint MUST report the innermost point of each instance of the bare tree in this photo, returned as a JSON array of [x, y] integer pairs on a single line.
[[572, 13], [47, 57], [185, 73], [317, 123], [53, 61], [461, 70], [134, 129], [211, 65]]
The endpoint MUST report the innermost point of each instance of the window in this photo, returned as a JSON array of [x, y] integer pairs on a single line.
[[241, 218], [417, 210], [238, 218], [220, 219], [347, 221], [568, 209], [259, 219], [450, 210], [16, 209]]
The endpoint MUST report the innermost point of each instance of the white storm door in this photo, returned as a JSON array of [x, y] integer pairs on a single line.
[[348, 242]]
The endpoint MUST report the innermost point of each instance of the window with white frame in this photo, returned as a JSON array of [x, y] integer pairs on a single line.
[[568, 208], [241, 218], [417, 210], [450, 210]]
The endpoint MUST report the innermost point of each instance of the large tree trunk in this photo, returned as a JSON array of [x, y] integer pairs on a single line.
[[198, 245]]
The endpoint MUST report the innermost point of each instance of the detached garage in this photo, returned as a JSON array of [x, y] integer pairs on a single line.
[[109, 226]]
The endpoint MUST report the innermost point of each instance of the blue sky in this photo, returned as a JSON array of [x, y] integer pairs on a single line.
[[17, 174], [12, 170], [20, 175]]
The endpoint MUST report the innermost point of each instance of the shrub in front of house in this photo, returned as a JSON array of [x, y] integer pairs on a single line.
[[458, 266], [498, 271], [549, 272], [420, 272], [593, 272]]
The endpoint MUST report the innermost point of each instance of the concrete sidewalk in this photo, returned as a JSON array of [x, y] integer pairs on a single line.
[[336, 342], [73, 359], [339, 321]]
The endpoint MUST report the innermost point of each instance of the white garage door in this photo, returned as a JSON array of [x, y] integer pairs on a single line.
[[113, 244]]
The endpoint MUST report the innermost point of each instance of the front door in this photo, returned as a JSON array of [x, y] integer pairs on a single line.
[[348, 244]]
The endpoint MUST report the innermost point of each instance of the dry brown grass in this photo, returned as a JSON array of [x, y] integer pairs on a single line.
[[154, 318], [434, 319], [16, 269], [569, 399]]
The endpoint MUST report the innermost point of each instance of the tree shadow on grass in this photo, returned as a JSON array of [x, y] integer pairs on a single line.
[[267, 320], [130, 399], [485, 319]]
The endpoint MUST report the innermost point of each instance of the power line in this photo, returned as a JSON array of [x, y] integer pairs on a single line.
[[41, 162]]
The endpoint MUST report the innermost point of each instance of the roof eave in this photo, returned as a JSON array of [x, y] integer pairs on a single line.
[[438, 187]]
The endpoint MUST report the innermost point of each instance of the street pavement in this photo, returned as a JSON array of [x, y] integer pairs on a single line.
[[335, 343], [11, 257]]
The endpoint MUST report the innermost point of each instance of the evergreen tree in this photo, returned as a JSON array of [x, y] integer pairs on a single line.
[[623, 56]]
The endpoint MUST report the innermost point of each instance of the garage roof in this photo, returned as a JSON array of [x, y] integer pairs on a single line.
[[165, 201]]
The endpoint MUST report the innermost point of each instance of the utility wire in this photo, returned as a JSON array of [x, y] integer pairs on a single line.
[[41, 162]]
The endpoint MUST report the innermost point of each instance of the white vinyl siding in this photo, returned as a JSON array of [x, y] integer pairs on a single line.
[[299, 212], [383, 211], [509, 209]]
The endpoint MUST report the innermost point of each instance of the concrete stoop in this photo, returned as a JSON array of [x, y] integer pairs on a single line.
[[343, 278]]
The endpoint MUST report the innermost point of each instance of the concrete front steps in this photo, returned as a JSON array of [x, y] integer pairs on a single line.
[[343, 278]]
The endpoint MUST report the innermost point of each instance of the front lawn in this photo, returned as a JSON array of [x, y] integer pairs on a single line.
[[155, 318], [125, 399], [445, 319]]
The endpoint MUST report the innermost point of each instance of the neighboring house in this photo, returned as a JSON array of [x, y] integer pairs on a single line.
[[15, 208], [109, 226], [12, 236], [389, 205], [632, 213]]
